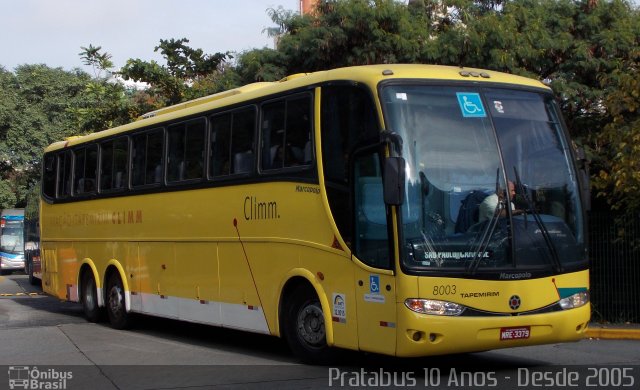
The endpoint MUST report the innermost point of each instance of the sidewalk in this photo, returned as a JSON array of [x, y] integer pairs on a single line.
[[613, 331]]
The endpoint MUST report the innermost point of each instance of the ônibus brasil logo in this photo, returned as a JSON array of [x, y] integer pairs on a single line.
[[25, 377]]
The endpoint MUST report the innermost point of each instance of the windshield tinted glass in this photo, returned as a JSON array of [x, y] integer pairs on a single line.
[[490, 185], [11, 238]]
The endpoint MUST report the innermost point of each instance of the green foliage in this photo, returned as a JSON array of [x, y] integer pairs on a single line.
[[586, 50], [186, 67], [7, 195], [619, 176], [583, 49], [92, 56], [343, 33], [40, 105], [260, 65]]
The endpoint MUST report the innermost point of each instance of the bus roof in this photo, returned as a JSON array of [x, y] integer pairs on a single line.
[[368, 74]]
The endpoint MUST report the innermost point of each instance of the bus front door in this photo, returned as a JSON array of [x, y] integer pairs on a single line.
[[375, 299]]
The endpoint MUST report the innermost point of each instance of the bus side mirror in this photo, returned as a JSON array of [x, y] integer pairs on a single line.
[[393, 181]]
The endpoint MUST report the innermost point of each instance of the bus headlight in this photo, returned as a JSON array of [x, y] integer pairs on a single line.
[[575, 300], [434, 307]]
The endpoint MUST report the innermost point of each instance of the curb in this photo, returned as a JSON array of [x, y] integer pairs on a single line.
[[613, 334]]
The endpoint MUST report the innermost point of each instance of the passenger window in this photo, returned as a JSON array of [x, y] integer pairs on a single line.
[[186, 151], [114, 173], [242, 135], [286, 133], [64, 177], [86, 164], [220, 145], [148, 149], [49, 177], [232, 136]]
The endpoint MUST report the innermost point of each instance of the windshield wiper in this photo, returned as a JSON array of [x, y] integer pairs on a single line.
[[484, 241], [536, 217], [487, 232]]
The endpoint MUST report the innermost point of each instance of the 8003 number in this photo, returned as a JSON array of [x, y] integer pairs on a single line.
[[444, 289]]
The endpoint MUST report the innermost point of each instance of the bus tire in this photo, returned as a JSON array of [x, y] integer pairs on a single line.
[[304, 328], [116, 309], [28, 269], [89, 298]]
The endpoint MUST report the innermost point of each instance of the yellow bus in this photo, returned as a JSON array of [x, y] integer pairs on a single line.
[[406, 210]]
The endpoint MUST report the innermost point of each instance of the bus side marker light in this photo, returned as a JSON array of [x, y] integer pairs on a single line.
[[320, 275]]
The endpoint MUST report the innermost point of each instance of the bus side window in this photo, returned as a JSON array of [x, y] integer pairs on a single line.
[[242, 136], [273, 137], [64, 176], [49, 176], [286, 133], [86, 164], [114, 173], [220, 139], [298, 131], [186, 151], [175, 160], [232, 142], [120, 163], [147, 151]]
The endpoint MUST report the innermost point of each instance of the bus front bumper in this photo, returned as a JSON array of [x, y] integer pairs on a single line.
[[423, 335], [11, 262]]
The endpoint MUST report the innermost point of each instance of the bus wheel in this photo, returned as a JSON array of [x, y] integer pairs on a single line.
[[28, 269], [116, 309], [89, 297], [304, 327]]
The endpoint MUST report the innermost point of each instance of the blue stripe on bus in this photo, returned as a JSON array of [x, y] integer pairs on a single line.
[[10, 255], [13, 217]]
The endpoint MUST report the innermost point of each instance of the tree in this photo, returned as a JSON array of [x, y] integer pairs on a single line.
[[40, 105], [185, 68], [619, 142], [100, 62], [581, 48], [343, 33]]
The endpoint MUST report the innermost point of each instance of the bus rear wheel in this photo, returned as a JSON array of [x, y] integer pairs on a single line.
[[304, 327], [89, 297], [28, 269], [116, 309]]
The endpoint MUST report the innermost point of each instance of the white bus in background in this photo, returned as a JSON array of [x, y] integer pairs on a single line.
[[11, 240]]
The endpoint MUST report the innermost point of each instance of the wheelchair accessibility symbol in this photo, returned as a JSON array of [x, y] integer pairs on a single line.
[[374, 284], [471, 105]]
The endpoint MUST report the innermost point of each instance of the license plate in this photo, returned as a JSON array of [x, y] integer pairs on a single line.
[[515, 333]]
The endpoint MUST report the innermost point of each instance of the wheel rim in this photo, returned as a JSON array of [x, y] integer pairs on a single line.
[[115, 301], [310, 325]]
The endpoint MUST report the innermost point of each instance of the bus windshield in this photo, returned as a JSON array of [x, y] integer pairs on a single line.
[[11, 236], [490, 181]]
